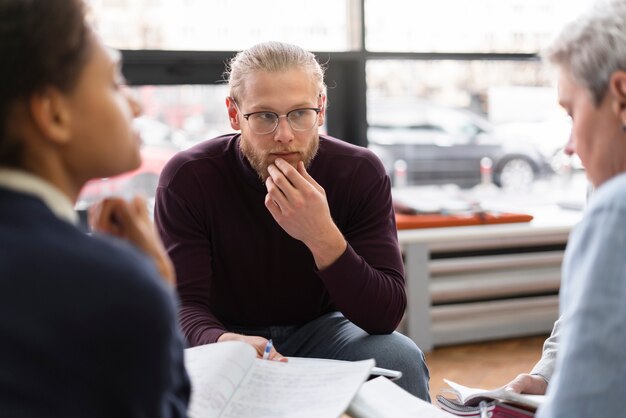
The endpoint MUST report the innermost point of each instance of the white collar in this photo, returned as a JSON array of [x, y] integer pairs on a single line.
[[25, 182]]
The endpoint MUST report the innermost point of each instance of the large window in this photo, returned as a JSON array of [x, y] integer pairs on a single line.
[[507, 26], [223, 25], [186, 114], [436, 84]]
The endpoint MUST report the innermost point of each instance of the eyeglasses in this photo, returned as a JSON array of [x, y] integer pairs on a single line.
[[266, 122]]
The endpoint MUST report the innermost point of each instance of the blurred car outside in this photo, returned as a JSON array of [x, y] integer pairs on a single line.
[[550, 136], [443, 145]]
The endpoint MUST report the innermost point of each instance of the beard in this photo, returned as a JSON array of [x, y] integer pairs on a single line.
[[261, 159]]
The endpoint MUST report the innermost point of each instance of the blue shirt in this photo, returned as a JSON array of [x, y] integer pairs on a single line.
[[590, 376]]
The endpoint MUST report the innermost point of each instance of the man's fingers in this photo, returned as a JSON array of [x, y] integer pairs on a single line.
[[294, 176], [280, 179], [305, 174], [276, 356], [276, 194], [272, 206]]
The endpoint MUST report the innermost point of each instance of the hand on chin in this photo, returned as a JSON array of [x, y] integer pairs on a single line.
[[292, 158]]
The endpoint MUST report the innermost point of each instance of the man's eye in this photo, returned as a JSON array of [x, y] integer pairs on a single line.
[[266, 117], [297, 114]]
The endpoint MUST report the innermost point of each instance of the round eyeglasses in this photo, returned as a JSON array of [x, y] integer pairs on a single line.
[[266, 122]]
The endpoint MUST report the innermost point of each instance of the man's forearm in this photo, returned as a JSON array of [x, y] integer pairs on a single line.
[[327, 247], [199, 325]]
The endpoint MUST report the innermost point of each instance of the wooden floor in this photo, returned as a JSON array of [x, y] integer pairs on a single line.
[[484, 365]]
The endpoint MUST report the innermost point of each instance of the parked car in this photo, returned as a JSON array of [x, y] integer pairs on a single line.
[[550, 136], [446, 145]]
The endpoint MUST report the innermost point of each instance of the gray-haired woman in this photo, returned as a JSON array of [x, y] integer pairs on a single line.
[[590, 374]]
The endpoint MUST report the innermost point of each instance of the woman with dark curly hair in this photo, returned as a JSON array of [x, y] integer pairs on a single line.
[[87, 323]]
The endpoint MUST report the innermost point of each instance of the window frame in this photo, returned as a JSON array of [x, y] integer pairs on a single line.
[[345, 74]]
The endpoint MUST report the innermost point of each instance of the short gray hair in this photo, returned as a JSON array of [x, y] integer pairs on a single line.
[[271, 57], [593, 46]]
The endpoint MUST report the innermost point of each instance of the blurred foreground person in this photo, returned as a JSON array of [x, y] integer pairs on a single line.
[[87, 323]]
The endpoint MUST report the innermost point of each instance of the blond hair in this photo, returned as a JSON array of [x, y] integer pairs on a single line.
[[271, 57]]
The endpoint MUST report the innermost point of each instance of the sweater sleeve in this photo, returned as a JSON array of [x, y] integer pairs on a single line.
[[182, 232], [366, 283]]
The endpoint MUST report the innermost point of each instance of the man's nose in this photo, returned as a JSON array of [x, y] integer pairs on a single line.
[[283, 132]]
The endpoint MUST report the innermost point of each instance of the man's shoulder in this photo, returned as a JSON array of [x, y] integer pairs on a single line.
[[337, 146], [214, 149], [345, 155]]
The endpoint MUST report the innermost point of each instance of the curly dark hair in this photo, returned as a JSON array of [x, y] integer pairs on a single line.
[[42, 43]]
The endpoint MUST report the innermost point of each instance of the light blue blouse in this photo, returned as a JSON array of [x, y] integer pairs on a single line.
[[590, 376]]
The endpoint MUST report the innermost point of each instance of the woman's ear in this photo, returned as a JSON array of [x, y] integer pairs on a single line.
[[50, 114], [617, 90], [233, 113]]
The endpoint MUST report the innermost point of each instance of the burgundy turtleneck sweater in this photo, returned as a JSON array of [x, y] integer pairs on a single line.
[[236, 266]]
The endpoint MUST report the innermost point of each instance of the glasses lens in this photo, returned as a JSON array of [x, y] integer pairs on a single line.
[[302, 119], [263, 123]]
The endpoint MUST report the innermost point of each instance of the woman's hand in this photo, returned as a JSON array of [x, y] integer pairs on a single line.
[[131, 221], [528, 383]]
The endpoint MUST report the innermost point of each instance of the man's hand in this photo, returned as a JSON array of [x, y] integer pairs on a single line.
[[130, 221], [298, 204], [258, 343], [528, 383]]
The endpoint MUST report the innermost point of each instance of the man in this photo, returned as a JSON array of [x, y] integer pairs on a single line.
[[281, 233]]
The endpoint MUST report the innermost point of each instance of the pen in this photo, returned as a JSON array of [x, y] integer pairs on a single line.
[[268, 348], [483, 409]]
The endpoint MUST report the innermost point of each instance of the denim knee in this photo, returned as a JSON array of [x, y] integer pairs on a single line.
[[409, 359], [398, 352]]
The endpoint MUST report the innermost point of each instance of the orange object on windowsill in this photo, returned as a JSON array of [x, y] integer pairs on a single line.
[[404, 221]]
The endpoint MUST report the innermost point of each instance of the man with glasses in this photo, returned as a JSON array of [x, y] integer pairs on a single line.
[[280, 233]]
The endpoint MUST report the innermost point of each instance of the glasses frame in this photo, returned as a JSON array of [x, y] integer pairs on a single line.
[[285, 115]]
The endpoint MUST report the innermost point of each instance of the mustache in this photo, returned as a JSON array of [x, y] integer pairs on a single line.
[[283, 151]]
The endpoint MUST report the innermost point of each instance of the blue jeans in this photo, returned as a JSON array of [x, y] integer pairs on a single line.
[[332, 336]]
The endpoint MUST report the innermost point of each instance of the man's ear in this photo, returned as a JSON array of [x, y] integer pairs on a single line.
[[322, 105], [233, 113], [51, 114], [617, 90]]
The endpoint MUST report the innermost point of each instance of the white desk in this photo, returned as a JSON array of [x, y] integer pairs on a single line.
[[550, 227]]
